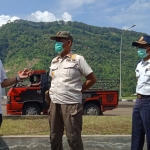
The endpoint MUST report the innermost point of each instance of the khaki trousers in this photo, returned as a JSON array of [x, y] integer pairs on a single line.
[[68, 117]]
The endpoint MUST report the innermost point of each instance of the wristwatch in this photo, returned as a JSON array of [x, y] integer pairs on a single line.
[[18, 78]]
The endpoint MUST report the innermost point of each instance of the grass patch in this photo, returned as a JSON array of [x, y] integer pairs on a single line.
[[39, 125]]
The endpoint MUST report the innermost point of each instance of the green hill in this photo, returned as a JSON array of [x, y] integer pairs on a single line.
[[27, 44]]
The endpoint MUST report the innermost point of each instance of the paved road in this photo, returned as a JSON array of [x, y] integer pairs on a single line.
[[124, 109]]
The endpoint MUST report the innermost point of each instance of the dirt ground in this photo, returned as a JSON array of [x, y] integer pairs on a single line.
[[124, 109]]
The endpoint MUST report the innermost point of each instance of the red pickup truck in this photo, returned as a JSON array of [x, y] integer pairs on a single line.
[[25, 100]]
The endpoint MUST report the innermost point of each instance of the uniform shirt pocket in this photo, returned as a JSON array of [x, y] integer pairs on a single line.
[[71, 69], [53, 70], [147, 72], [146, 77]]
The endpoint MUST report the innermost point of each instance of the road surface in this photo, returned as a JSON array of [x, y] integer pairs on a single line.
[[124, 109]]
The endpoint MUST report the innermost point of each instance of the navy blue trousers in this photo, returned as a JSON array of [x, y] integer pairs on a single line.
[[141, 124], [0, 119]]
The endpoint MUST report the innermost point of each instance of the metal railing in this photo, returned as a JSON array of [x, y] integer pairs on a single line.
[[106, 84]]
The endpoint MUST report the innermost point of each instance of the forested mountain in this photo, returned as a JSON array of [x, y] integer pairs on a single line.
[[28, 44]]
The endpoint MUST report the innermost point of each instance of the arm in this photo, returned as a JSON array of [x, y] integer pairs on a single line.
[[91, 79], [8, 82], [86, 71], [35, 84], [24, 74]]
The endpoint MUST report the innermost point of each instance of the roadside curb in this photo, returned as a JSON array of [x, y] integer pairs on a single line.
[[127, 100], [37, 142]]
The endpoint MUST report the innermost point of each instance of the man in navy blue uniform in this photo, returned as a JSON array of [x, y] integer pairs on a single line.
[[141, 110]]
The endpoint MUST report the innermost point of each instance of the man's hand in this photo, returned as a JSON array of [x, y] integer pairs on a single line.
[[29, 85], [25, 73]]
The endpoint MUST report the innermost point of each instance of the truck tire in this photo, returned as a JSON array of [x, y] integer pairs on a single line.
[[92, 109], [31, 109]]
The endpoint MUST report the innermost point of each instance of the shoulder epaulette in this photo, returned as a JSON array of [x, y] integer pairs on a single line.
[[56, 59], [73, 56]]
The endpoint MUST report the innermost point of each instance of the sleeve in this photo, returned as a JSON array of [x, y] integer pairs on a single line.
[[137, 72], [50, 70], [2, 72], [84, 67]]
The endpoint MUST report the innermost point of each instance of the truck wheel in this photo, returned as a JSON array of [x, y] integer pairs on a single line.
[[31, 109], [92, 109]]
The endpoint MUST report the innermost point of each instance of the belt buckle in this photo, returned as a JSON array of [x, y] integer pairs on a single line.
[[139, 96]]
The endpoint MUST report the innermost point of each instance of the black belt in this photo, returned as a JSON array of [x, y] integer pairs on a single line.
[[143, 96]]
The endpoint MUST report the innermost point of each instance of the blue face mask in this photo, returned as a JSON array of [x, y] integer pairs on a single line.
[[59, 47], [142, 53]]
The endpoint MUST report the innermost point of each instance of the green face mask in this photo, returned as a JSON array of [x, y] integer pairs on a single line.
[[142, 53], [59, 47]]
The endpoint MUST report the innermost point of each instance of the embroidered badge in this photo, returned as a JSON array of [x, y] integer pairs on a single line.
[[52, 73], [58, 33], [71, 57], [147, 69]]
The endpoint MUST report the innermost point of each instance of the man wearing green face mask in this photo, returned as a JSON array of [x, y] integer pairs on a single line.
[[141, 110], [66, 89]]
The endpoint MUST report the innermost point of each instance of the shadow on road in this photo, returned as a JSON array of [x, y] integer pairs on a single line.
[[127, 106]]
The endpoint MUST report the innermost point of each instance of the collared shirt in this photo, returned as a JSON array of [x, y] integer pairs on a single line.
[[2, 78], [143, 76], [66, 74]]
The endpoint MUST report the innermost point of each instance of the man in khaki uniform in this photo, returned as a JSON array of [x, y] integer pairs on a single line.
[[66, 89]]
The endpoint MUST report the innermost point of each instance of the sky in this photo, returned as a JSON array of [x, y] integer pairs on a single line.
[[121, 14]]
